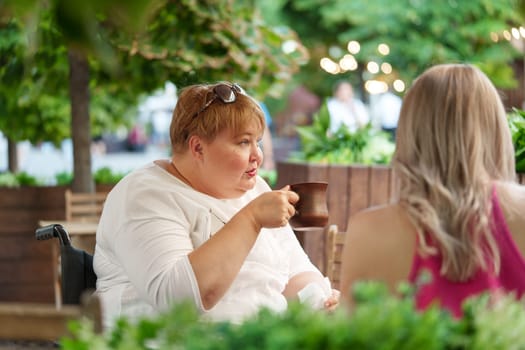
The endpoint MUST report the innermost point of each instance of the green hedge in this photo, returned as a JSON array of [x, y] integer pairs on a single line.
[[102, 176], [379, 321]]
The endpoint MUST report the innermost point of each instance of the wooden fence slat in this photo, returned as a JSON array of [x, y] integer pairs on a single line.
[[289, 173], [37, 270], [379, 186], [317, 172], [338, 195], [24, 247], [359, 190]]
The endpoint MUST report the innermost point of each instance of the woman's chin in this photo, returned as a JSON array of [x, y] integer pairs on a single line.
[[247, 184]]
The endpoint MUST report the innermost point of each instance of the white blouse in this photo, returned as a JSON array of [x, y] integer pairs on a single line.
[[152, 221]]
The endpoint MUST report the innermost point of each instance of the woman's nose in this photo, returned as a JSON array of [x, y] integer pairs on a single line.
[[257, 154]]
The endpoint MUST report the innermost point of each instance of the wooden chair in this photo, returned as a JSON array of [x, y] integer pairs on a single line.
[[335, 242], [84, 206]]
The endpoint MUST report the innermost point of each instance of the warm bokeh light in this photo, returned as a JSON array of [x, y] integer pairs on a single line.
[[386, 67], [399, 85], [383, 49], [376, 87], [372, 67], [348, 62], [494, 37], [329, 66], [289, 46], [515, 33], [353, 47], [507, 35]]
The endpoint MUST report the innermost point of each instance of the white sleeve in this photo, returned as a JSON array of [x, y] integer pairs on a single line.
[[362, 113], [153, 247]]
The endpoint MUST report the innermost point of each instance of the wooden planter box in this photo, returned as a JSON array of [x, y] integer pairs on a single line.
[[351, 188], [26, 273]]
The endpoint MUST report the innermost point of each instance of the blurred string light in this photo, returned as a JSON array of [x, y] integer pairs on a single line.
[[399, 85], [386, 67], [514, 35], [348, 62], [329, 66], [353, 47], [376, 86], [289, 46], [372, 67], [383, 49]]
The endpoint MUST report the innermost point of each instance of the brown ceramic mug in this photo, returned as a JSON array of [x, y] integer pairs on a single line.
[[311, 210]]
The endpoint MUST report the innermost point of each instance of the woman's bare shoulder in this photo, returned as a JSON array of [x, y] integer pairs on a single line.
[[373, 218], [384, 229], [379, 245]]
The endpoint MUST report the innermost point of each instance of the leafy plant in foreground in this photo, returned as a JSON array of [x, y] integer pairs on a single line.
[[378, 321]]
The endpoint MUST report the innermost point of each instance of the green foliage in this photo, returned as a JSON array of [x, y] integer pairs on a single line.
[[419, 34], [22, 178], [269, 175], [363, 146], [379, 321], [106, 176], [517, 128], [34, 95], [184, 42], [190, 41], [8, 179], [64, 178], [78, 21], [103, 176]]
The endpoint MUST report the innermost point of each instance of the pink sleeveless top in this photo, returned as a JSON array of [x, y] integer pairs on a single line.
[[450, 295]]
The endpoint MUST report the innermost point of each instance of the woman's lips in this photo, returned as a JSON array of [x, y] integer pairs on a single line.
[[252, 172]]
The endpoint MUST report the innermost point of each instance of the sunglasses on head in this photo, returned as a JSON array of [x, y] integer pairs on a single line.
[[227, 93]]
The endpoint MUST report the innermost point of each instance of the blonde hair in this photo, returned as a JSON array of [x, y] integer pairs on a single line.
[[188, 119], [453, 140]]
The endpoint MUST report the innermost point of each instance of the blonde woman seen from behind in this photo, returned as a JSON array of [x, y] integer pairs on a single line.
[[459, 215]]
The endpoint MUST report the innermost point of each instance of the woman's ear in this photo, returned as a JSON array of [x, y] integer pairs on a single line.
[[195, 146]]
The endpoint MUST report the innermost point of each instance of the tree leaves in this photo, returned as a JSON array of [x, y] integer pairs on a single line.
[[185, 42]]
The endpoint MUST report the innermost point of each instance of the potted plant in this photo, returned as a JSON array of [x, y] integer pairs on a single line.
[[365, 146], [355, 164]]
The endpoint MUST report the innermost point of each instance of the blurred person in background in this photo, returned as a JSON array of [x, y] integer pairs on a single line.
[[385, 109], [345, 109]]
